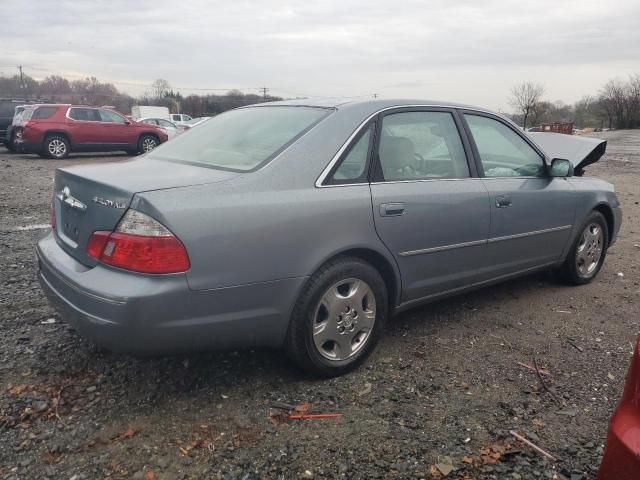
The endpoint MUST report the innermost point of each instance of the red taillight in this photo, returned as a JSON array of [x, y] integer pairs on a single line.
[[140, 244], [96, 243]]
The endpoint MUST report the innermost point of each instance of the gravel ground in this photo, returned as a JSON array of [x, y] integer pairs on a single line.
[[439, 395]]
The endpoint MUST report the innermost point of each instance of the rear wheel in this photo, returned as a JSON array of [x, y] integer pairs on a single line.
[[147, 143], [11, 144], [588, 252], [338, 317], [56, 146]]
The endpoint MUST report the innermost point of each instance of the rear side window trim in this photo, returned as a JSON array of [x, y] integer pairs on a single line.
[[365, 177]]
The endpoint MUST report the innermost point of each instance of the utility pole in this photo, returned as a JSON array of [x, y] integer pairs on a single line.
[[21, 77], [264, 93], [375, 95]]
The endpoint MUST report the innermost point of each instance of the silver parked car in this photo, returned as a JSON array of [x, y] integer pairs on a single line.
[[170, 128], [306, 224]]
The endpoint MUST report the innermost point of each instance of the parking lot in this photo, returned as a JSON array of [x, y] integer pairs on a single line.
[[442, 390]]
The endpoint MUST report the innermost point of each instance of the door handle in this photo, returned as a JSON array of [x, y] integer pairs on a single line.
[[391, 209], [503, 201]]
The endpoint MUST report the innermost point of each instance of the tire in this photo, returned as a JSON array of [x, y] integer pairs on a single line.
[[587, 254], [56, 147], [11, 144], [147, 143], [345, 300]]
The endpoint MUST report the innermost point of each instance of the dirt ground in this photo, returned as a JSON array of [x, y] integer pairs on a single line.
[[438, 396]]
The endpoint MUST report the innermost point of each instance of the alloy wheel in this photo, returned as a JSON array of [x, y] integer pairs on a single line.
[[589, 249], [57, 148], [148, 144]]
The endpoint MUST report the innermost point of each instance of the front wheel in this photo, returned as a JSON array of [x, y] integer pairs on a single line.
[[588, 252], [338, 317], [147, 143]]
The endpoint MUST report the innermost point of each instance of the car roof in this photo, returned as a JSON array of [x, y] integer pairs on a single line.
[[371, 106], [379, 103]]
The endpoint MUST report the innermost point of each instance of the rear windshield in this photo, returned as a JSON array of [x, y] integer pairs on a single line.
[[241, 140]]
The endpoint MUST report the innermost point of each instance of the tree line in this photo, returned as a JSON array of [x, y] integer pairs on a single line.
[[91, 91], [616, 105]]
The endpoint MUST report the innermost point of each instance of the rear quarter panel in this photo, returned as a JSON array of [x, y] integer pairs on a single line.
[[236, 237]]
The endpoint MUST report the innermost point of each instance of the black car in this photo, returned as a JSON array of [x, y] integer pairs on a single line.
[[7, 111]]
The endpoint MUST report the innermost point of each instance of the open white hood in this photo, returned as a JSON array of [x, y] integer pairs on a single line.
[[580, 151]]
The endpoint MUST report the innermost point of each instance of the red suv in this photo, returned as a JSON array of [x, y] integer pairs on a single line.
[[56, 130]]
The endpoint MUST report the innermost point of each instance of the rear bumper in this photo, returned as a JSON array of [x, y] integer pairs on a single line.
[[158, 314], [621, 459], [25, 146]]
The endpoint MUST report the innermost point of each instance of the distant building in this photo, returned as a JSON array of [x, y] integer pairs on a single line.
[[557, 127]]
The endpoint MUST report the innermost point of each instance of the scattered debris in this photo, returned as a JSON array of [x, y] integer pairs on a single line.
[[445, 468], [574, 345], [532, 445], [127, 434], [620, 274], [542, 382], [366, 390], [150, 475], [305, 416], [301, 411], [542, 370], [48, 321], [570, 412], [26, 228]]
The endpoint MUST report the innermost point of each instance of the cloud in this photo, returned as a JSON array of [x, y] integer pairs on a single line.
[[464, 50]]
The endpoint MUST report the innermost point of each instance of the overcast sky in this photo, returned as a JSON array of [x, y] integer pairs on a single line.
[[470, 51]]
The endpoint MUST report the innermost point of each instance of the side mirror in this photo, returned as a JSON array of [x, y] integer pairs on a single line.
[[127, 122], [561, 168]]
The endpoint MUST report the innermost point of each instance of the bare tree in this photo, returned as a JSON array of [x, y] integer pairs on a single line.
[[160, 87], [633, 101], [525, 97], [613, 100]]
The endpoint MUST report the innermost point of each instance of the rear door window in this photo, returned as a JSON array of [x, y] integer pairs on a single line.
[[420, 146], [85, 114]]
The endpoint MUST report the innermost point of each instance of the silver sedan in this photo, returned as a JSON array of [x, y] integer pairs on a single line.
[[307, 224]]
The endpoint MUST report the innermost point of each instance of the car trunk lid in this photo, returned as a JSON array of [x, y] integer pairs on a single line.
[[95, 197]]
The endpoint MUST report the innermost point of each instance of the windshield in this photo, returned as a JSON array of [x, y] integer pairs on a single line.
[[241, 140]]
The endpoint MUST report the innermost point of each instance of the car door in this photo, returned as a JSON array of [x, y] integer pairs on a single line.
[[117, 129], [84, 127], [429, 208], [532, 213]]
